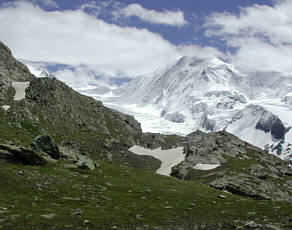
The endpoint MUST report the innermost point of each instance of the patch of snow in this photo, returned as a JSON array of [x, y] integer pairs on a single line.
[[5, 107], [201, 166], [169, 157], [20, 89]]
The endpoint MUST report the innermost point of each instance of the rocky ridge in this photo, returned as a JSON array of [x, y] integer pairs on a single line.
[[244, 169]]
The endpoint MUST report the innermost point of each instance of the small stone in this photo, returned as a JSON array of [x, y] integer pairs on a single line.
[[49, 216], [139, 217], [214, 202], [192, 205], [114, 227], [221, 196], [86, 222], [148, 190], [109, 184], [21, 173], [77, 212], [251, 225], [106, 198], [71, 198], [272, 227]]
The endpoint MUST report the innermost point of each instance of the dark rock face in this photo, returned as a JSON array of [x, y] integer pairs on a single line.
[[46, 144], [270, 123], [206, 123], [244, 169], [176, 117]]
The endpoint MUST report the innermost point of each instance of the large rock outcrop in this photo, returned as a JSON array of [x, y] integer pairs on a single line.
[[243, 169]]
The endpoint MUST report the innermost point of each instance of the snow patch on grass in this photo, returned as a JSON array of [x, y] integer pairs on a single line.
[[201, 166], [5, 107], [169, 157], [19, 90]]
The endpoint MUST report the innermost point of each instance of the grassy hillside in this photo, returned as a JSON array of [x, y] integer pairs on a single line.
[[118, 197]]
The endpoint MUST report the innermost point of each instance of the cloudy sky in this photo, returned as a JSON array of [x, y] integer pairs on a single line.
[[82, 42]]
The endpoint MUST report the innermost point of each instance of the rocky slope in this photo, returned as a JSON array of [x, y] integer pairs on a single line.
[[240, 167], [10, 70], [51, 107]]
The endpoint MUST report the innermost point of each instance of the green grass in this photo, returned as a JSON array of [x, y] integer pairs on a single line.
[[120, 196]]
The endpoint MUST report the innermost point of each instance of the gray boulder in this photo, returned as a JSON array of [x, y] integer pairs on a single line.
[[244, 169], [85, 162], [46, 144], [19, 154], [73, 156]]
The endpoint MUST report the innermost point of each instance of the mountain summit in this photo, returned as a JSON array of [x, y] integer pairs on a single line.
[[209, 94]]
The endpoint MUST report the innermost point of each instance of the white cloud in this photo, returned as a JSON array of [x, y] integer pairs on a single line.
[[100, 7], [262, 35], [166, 17], [76, 38], [79, 77], [49, 3]]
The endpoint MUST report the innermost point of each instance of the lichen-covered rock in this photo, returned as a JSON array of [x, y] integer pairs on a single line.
[[85, 162], [19, 154], [245, 185], [244, 169], [76, 158]]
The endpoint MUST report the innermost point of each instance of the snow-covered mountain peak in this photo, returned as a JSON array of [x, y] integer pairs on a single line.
[[210, 95], [193, 89], [200, 65]]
